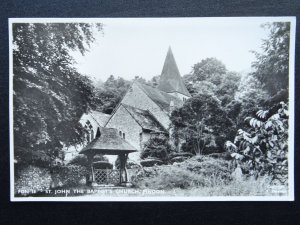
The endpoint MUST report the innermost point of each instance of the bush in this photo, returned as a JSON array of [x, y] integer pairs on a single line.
[[79, 160], [151, 162], [263, 148], [178, 159], [31, 179], [70, 175], [158, 147], [183, 154], [194, 172]]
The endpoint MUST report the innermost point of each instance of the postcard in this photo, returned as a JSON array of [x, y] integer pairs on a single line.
[[152, 109]]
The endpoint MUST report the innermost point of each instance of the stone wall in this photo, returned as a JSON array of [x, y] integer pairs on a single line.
[[137, 98], [125, 124]]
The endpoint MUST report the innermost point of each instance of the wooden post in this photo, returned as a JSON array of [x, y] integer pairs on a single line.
[[121, 157], [125, 161], [90, 162]]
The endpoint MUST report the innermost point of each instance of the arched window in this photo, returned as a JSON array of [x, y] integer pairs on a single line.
[[89, 131], [120, 133], [123, 135]]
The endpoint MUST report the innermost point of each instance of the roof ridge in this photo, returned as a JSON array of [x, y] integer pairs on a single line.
[[132, 116]]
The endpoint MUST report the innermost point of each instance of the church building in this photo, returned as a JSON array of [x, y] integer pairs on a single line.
[[144, 110]]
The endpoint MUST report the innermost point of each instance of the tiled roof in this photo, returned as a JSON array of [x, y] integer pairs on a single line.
[[100, 118], [144, 118], [170, 79], [161, 98], [109, 143]]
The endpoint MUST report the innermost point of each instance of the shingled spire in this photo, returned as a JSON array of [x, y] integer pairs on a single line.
[[170, 79]]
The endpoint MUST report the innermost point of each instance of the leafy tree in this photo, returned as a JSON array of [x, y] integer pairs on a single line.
[[158, 146], [49, 94], [263, 148], [249, 98], [209, 69], [272, 64], [110, 93], [210, 76], [228, 87], [201, 125]]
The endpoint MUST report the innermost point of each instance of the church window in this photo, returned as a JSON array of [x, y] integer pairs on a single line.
[[123, 135], [89, 131], [120, 133]]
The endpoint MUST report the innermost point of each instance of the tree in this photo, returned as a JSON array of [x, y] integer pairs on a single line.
[[201, 125], [228, 87], [210, 76], [157, 147], [248, 99], [110, 93], [263, 147], [272, 64], [209, 69], [49, 94]]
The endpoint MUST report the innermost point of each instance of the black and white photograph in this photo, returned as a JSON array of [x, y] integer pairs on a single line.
[[152, 109]]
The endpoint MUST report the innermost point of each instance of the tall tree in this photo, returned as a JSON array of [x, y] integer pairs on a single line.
[[272, 64], [110, 93], [209, 69], [201, 124], [49, 94]]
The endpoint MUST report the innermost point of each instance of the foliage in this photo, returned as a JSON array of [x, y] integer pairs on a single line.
[[158, 147], [272, 65], [210, 69], [263, 148], [31, 179], [49, 94], [110, 93], [194, 172], [69, 175], [211, 77], [148, 162], [79, 160], [248, 99], [202, 124]]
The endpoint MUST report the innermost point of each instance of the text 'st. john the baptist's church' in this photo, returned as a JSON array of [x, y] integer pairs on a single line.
[[144, 110]]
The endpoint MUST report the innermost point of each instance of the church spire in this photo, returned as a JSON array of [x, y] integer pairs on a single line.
[[170, 79]]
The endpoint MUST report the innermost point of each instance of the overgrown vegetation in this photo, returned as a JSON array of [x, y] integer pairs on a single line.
[[194, 172], [157, 147], [49, 95], [263, 148]]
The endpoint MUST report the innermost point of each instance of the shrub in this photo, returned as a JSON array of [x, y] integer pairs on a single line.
[[79, 160], [70, 175], [31, 179], [194, 172], [263, 148], [158, 147], [151, 162]]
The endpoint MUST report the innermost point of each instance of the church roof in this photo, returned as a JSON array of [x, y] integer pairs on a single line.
[[144, 118], [161, 98], [99, 117], [170, 79], [108, 143]]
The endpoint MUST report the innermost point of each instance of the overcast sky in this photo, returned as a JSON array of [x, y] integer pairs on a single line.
[[138, 47]]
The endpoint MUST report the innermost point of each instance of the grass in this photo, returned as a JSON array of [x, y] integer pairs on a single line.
[[197, 176]]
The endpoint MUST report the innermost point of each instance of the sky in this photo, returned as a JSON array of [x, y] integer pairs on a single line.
[[138, 47]]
